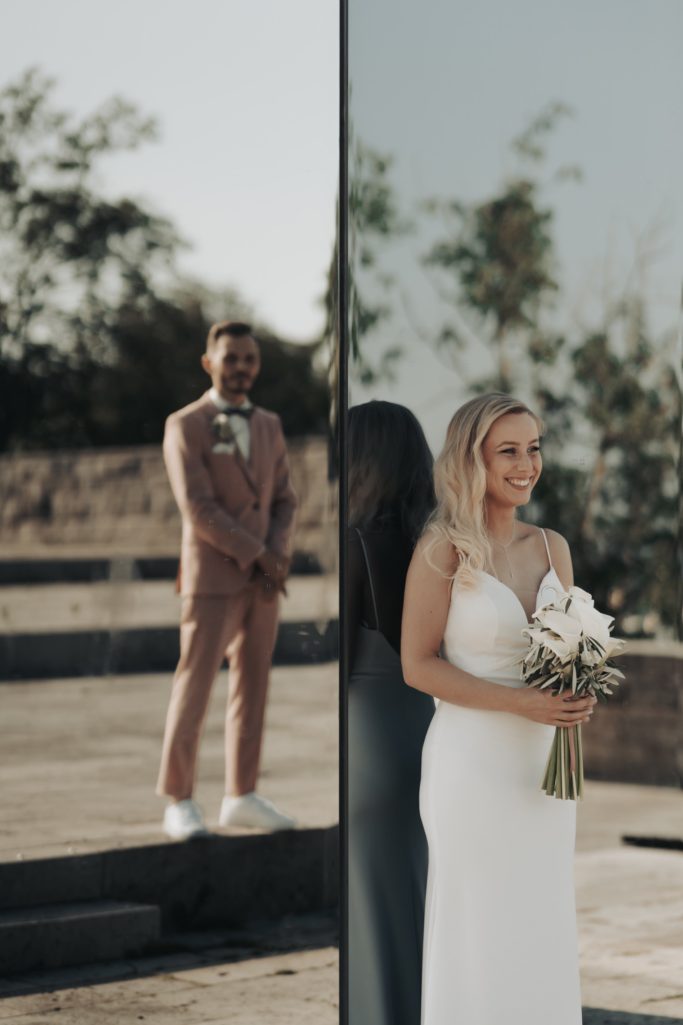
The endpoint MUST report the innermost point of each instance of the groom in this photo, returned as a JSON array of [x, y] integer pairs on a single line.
[[227, 464]]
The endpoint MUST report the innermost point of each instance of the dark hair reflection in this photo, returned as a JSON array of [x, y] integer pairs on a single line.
[[390, 497], [390, 468]]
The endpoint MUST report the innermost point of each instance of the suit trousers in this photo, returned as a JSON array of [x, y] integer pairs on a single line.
[[242, 626]]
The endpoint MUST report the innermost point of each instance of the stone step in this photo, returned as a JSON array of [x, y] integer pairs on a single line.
[[53, 656], [78, 932], [213, 880], [90, 568], [56, 912], [125, 604], [52, 631]]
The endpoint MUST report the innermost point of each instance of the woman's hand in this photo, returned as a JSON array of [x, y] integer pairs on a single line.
[[553, 709]]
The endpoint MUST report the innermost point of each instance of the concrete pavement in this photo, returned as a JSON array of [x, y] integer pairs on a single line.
[[291, 980], [630, 901], [80, 758], [79, 761]]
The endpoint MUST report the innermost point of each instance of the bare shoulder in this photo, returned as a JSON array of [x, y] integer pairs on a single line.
[[560, 555], [556, 542], [435, 552], [427, 596]]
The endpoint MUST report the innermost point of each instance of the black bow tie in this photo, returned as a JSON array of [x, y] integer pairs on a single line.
[[239, 411]]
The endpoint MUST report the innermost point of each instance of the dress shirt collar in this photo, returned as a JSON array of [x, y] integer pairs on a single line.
[[222, 404]]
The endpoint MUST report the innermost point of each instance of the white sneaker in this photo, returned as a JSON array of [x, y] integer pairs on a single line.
[[253, 812], [183, 820]]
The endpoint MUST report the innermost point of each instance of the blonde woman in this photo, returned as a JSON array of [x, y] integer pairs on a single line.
[[500, 932]]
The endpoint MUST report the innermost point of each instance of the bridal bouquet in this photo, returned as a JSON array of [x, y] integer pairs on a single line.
[[570, 649]]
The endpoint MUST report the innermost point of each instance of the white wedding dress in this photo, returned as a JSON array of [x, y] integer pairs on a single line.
[[500, 943]]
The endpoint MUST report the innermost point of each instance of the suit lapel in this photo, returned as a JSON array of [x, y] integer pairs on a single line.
[[246, 467], [255, 439], [256, 444]]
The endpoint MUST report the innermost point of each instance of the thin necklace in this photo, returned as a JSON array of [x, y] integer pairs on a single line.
[[505, 549]]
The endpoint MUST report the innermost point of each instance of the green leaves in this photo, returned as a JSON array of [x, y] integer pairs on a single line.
[[100, 339], [500, 252], [374, 221]]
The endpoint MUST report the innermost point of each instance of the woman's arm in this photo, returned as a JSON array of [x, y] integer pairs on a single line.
[[425, 610]]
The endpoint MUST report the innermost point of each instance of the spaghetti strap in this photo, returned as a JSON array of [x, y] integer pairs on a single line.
[[545, 541]]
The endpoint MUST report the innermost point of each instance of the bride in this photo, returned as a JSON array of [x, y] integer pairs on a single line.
[[500, 940]]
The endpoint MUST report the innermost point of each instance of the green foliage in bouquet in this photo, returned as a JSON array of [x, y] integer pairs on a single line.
[[570, 648]]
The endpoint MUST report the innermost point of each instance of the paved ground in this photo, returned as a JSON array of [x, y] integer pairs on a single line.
[[219, 984], [630, 901], [79, 760], [284, 989]]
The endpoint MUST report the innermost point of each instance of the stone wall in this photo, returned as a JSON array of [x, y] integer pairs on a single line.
[[638, 736], [119, 500]]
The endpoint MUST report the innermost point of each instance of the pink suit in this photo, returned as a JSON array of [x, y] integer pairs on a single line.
[[230, 508]]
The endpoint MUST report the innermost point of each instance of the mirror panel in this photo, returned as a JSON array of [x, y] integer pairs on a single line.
[[515, 204]]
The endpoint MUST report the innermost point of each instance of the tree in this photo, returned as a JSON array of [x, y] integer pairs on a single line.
[[498, 263], [628, 397], [609, 395], [99, 337], [69, 254], [374, 221], [155, 368]]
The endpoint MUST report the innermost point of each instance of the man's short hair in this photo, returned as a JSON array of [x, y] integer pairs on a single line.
[[234, 328]]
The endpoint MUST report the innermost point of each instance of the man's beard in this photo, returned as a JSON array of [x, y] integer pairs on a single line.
[[238, 387]]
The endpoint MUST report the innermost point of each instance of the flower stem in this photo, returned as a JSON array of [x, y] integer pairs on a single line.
[[579, 759]]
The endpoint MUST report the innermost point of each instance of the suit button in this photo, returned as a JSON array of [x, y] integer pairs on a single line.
[[256, 505]]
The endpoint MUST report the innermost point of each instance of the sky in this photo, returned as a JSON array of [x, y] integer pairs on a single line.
[[444, 86], [246, 95]]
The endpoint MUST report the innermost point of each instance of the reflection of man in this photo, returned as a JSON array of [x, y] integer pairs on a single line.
[[227, 464]]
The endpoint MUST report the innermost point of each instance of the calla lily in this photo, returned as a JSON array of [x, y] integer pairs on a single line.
[[565, 626], [558, 646], [591, 658], [614, 646], [593, 623], [570, 646], [578, 594]]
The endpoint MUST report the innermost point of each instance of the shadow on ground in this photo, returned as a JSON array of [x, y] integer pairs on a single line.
[[187, 951], [596, 1016]]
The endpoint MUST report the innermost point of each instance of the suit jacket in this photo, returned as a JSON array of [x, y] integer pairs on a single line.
[[230, 507]]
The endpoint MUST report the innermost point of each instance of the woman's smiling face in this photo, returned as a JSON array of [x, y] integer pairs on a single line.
[[512, 456]]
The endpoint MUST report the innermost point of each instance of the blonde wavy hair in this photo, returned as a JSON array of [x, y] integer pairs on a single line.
[[460, 484]]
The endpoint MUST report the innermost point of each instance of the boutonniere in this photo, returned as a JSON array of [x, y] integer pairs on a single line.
[[223, 433]]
